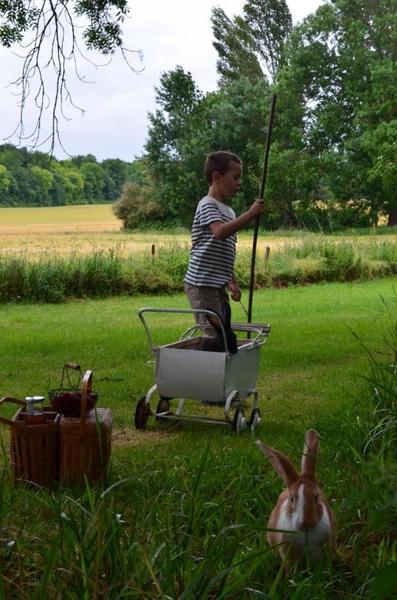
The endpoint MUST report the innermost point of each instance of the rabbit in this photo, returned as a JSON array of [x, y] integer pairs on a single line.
[[216, 343], [304, 520]]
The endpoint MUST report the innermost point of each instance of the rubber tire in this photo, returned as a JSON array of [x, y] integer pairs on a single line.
[[255, 419], [142, 414], [239, 422], [162, 406]]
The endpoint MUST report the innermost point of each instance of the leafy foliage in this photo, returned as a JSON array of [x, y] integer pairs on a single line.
[[184, 131], [251, 45], [34, 179], [135, 208]]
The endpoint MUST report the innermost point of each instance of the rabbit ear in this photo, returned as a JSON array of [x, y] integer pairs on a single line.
[[280, 463], [310, 448], [214, 322], [226, 313]]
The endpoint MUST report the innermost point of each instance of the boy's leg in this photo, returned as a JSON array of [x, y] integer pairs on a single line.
[[206, 298]]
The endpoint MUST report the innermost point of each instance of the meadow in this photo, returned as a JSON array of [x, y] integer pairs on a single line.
[[52, 254], [183, 513], [184, 509], [68, 229]]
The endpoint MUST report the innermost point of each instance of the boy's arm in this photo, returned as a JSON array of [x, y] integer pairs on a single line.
[[221, 230]]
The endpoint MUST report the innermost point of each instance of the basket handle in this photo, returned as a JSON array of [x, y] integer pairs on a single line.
[[86, 389], [72, 365], [11, 400], [65, 375]]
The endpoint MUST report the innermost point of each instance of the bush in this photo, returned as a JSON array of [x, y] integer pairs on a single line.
[[136, 208]]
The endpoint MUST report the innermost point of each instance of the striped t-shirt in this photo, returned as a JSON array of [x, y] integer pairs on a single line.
[[211, 261]]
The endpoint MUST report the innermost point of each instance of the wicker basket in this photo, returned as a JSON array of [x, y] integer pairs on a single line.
[[34, 448], [85, 442]]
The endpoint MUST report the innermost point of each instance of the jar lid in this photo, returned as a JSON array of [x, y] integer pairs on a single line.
[[34, 399]]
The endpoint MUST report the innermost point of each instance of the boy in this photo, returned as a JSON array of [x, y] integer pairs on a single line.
[[210, 272]]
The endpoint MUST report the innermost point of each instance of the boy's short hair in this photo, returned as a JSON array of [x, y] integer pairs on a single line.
[[219, 161]]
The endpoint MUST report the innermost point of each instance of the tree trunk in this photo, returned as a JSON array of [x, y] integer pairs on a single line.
[[392, 216]]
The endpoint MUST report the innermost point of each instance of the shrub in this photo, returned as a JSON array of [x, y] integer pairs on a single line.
[[136, 208]]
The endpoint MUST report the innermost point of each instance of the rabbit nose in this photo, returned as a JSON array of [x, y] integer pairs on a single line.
[[306, 525]]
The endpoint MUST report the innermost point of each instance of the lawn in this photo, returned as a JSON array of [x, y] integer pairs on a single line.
[[187, 512]]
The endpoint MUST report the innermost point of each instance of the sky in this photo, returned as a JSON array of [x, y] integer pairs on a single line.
[[116, 102]]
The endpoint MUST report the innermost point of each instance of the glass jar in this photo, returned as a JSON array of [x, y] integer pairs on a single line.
[[34, 410]]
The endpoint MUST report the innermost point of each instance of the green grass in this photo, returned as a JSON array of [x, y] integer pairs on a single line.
[[194, 499], [104, 273]]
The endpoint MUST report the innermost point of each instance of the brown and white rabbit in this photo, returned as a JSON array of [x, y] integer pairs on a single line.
[[304, 520]]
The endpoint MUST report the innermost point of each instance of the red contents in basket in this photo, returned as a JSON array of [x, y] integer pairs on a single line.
[[68, 403]]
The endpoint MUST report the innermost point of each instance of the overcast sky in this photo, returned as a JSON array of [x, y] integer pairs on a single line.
[[168, 33]]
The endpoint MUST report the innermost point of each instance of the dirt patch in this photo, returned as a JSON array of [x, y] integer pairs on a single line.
[[128, 436]]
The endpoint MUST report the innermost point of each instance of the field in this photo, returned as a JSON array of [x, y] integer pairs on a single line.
[[82, 229], [183, 513]]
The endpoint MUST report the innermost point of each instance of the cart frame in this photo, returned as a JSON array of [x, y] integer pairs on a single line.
[[213, 378]]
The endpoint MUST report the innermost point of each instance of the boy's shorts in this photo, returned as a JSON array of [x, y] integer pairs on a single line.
[[207, 298]]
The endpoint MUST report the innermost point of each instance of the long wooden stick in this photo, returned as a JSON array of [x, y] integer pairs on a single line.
[[261, 193]]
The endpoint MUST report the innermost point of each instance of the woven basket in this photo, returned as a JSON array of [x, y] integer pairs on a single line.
[[34, 448], [85, 442]]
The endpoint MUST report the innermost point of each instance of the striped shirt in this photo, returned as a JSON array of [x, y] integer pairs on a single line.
[[211, 261]]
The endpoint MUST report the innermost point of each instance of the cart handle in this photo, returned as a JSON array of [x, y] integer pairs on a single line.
[[262, 330], [192, 311]]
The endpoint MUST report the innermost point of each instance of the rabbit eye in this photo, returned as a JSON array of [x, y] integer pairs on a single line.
[[292, 499], [315, 497]]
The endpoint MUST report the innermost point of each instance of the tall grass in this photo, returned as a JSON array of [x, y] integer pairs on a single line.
[[371, 443], [105, 273]]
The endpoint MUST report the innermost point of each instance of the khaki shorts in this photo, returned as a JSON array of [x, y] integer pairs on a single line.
[[207, 298]]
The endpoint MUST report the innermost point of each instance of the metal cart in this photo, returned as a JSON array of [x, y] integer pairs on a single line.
[[184, 371]]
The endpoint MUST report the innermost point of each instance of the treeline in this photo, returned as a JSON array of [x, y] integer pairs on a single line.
[[333, 161], [36, 179]]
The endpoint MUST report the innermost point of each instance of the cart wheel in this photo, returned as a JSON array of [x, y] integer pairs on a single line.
[[142, 413], [255, 419], [239, 422], [163, 406]]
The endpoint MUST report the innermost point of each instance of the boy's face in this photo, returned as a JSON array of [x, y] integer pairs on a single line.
[[229, 184]]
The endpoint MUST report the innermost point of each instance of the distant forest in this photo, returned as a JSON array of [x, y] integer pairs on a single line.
[[36, 179]]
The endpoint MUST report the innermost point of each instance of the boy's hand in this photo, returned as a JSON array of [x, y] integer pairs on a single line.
[[257, 208], [235, 291]]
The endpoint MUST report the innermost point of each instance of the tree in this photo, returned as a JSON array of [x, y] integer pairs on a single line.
[[337, 99], [5, 181], [47, 33], [42, 181], [116, 173], [178, 99], [94, 181], [233, 118], [251, 45]]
